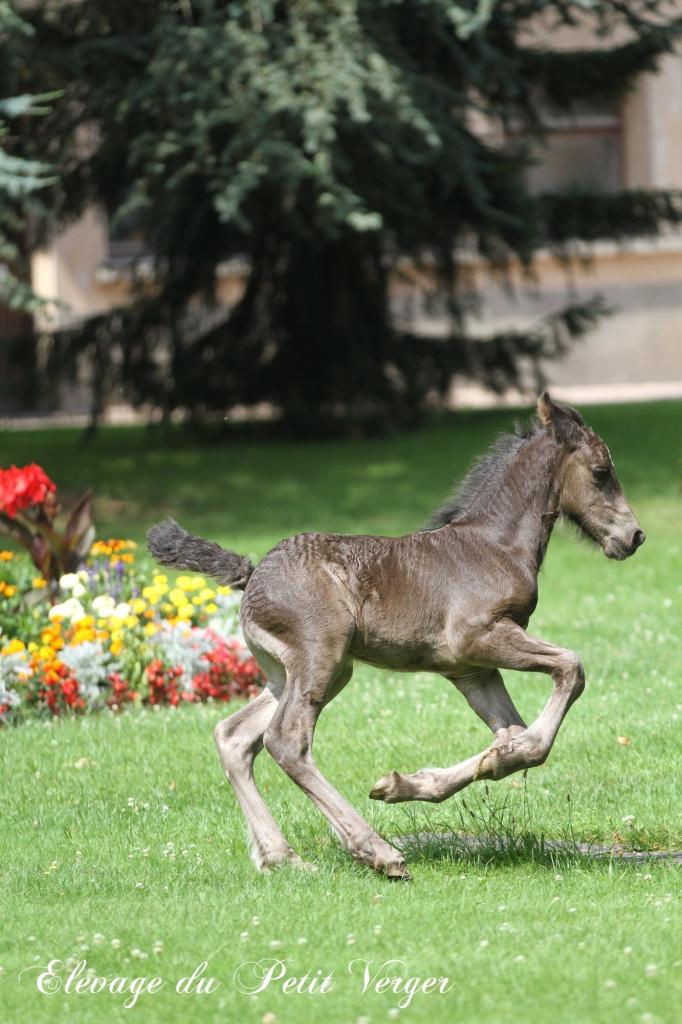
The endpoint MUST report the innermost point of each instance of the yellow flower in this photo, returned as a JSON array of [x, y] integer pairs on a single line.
[[138, 605], [207, 594], [177, 597], [33, 646], [116, 635], [211, 608], [159, 580], [10, 590], [150, 628], [39, 582], [82, 636], [45, 653], [131, 621], [114, 622], [185, 611], [14, 646], [116, 647], [224, 591], [152, 594], [6, 556]]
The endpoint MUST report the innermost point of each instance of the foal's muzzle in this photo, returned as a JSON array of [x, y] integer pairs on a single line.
[[615, 547]]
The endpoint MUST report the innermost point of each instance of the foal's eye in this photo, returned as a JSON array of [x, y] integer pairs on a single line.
[[600, 473]]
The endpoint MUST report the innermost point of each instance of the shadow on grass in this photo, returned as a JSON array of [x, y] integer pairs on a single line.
[[485, 830]]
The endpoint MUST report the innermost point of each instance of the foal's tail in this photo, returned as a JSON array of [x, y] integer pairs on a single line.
[[172, 546]]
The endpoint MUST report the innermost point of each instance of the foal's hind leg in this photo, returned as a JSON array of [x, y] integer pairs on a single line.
[[509, 646], [239, 739], [289, 738], [487, 695]]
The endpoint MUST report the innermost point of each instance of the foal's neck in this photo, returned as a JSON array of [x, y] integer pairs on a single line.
[[522, 511], [527, 504]]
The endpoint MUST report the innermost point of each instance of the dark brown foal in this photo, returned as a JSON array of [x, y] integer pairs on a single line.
[[454, 598]]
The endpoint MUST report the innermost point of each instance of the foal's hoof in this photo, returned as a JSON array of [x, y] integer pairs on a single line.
[[389, 788], [291, 859]]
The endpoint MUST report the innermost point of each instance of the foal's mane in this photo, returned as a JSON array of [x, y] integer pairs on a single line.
[[483, 479]]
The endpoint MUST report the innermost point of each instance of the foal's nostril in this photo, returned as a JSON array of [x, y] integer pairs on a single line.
[[638, 539]]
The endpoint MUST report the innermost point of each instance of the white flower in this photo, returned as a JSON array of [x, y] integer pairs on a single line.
[[68, 581], [103, 605], [72, 610], [122, 610]]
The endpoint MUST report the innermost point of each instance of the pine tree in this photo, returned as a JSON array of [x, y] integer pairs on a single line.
[[321, 142], [20, 179]]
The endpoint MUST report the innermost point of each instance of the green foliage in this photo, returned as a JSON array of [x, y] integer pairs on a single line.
[[319, 143], [19, 178]]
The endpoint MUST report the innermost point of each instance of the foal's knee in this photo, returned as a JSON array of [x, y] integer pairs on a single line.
[[572, 674]]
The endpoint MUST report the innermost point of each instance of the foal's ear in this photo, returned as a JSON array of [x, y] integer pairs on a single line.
[[562, 420]]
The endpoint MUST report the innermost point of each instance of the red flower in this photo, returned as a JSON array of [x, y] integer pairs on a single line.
[[164, 685], [60, 691], [23, 487], [120, 692], [231, 672]]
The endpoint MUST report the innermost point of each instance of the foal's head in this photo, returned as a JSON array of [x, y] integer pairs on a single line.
[[589, 491]]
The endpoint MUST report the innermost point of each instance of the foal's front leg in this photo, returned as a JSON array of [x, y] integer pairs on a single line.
[[505, 645]]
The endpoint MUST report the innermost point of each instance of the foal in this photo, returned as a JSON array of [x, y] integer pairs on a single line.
[[454, 598]]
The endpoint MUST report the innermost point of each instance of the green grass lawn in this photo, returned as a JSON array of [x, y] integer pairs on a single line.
[[121, 843]]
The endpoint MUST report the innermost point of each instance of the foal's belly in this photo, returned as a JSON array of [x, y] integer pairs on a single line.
[[404, 655]]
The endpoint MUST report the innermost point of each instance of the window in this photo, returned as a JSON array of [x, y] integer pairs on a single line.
[[581, 150]]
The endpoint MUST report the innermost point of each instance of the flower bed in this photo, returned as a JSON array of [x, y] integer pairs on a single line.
[[112, 637]]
